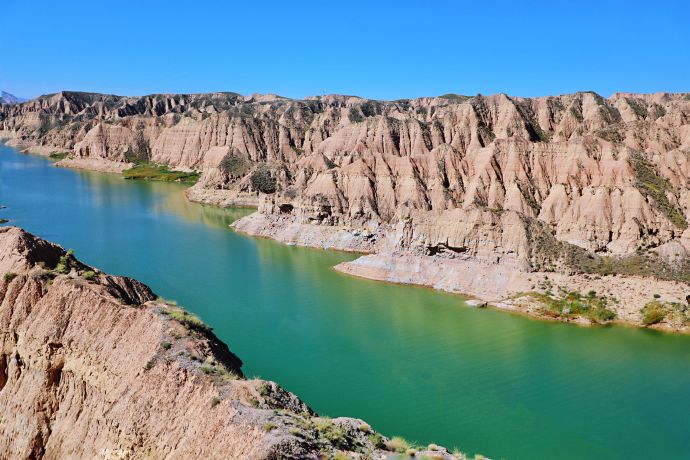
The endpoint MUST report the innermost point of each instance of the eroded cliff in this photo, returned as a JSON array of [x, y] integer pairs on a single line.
[[95, 366], [563, 184]]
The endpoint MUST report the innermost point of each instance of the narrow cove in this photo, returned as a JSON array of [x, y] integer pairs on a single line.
[[411, 361]]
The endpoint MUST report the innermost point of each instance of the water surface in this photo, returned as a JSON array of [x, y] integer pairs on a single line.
[[410, 361]]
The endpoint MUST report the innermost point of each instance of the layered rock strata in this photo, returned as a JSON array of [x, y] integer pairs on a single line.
[[529, 184]]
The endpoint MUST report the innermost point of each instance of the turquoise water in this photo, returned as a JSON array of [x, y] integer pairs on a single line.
[[411, 361]]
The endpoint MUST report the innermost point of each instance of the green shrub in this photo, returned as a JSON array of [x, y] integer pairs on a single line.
[[89, 275], [652, 313], [215, 402], [58, 155], [262, 180], [166, 345], [9, 276], [235, 165], [269, 427], [64, 265]]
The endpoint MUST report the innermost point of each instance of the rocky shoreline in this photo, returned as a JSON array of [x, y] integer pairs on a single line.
[[505, 286]]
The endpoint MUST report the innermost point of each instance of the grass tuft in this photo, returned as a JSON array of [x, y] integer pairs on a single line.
[[188, 320]]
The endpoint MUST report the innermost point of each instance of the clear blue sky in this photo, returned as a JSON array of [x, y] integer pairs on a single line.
[[376, 49]]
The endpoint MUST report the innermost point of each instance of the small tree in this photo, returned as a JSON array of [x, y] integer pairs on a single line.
[[234, 165], [262, 180]]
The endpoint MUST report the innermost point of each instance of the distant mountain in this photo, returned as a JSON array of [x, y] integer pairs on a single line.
[[7, 98]]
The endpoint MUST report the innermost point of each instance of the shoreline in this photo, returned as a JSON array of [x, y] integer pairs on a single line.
[[449, 274], [499, 286]]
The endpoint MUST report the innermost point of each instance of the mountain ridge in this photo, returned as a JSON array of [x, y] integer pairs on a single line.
[[7, 98]]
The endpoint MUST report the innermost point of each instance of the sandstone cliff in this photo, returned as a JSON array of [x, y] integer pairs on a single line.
[[608, 175], [560, 183], [95, 366]]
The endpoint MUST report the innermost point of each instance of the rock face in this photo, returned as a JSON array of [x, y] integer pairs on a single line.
[[93, 366], [608, 175], [535, 184]]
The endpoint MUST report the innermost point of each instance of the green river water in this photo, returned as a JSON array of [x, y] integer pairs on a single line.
[[410, 361]]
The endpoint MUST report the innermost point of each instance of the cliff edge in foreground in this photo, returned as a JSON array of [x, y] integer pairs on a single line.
[[96, 366]]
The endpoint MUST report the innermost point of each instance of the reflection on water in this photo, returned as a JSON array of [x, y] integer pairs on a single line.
[[410, 361]]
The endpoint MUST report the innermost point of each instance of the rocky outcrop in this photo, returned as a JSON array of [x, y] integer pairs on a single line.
[[95, 366]]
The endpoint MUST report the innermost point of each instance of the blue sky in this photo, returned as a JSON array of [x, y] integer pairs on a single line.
[[376, 49]]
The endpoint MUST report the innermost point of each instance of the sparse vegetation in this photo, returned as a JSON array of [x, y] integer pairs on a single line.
[[58, 155], [652, 185], [215, 401], [149, 365], [454, 97], [376, 440], [151, 171], [65, 262], [166, 345], [355, 115], [269, 427], [263, 181], [190, 321], [637, 107], [45, 123], [235, 165], [88, 275], [653, 312], [568, 304], [611, 134], [330, 431], [398, 444], [9, 276]]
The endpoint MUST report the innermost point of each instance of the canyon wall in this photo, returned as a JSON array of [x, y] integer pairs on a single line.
[[535, 184]]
